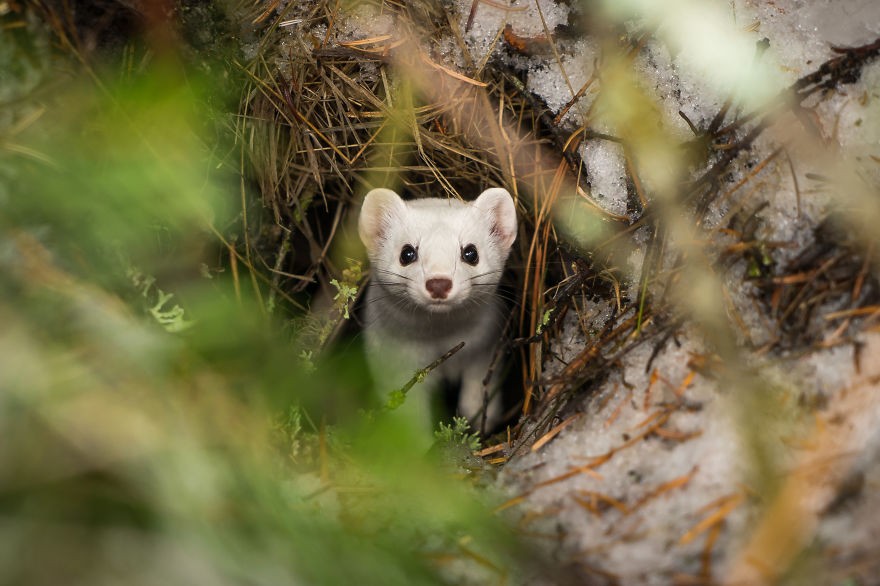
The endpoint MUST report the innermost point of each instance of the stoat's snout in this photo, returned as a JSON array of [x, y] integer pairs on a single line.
[[440, 293], [438, 288]]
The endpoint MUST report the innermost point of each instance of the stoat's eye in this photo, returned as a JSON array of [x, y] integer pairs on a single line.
[[408, 255], [469, 255]]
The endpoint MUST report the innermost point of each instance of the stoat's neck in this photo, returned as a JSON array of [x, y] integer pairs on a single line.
[[410, 320]]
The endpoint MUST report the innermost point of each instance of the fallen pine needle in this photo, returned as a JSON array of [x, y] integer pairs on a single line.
[[510, 503], [590, 503], [452, 73], [553, 432], [726, 506], [663, 488], [490, 450], [361, 42]]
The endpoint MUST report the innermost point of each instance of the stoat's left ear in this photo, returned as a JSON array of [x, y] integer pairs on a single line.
[[498, 205]]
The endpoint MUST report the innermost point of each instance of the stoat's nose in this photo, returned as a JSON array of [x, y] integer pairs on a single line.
[[438, 288]]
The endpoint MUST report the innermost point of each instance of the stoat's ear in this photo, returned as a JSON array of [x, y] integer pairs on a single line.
[[381, 208], [498, 205]]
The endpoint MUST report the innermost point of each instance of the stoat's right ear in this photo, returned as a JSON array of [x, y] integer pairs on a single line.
[[381, 208]]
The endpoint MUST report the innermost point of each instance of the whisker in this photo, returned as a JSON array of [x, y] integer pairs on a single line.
[[378, 299], [492, 293], [387, 272], [484, 274], [390, 294]]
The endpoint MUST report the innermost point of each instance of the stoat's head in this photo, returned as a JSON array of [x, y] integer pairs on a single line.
[[438, 253]]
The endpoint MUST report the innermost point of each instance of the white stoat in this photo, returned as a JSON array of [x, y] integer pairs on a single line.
[[435, 267]]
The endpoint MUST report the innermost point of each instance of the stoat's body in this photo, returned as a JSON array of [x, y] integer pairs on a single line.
[[435, 267]]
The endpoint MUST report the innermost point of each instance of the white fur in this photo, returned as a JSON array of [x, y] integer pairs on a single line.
[[406, 328]]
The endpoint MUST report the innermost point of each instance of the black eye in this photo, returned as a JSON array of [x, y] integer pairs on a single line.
[[469, 255], [408, 255]]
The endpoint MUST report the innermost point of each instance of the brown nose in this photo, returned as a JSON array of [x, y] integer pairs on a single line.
[[438, 288]]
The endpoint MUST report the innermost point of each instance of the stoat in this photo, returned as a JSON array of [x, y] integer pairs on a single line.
[[435, 266]]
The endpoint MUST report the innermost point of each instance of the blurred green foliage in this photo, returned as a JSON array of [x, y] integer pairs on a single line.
[[141, 453]]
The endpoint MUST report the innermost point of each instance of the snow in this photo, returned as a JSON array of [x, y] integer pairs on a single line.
[[527, 18], [606, 174]]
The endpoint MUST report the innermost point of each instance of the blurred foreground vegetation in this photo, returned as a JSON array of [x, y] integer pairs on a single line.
[[156, 422]]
